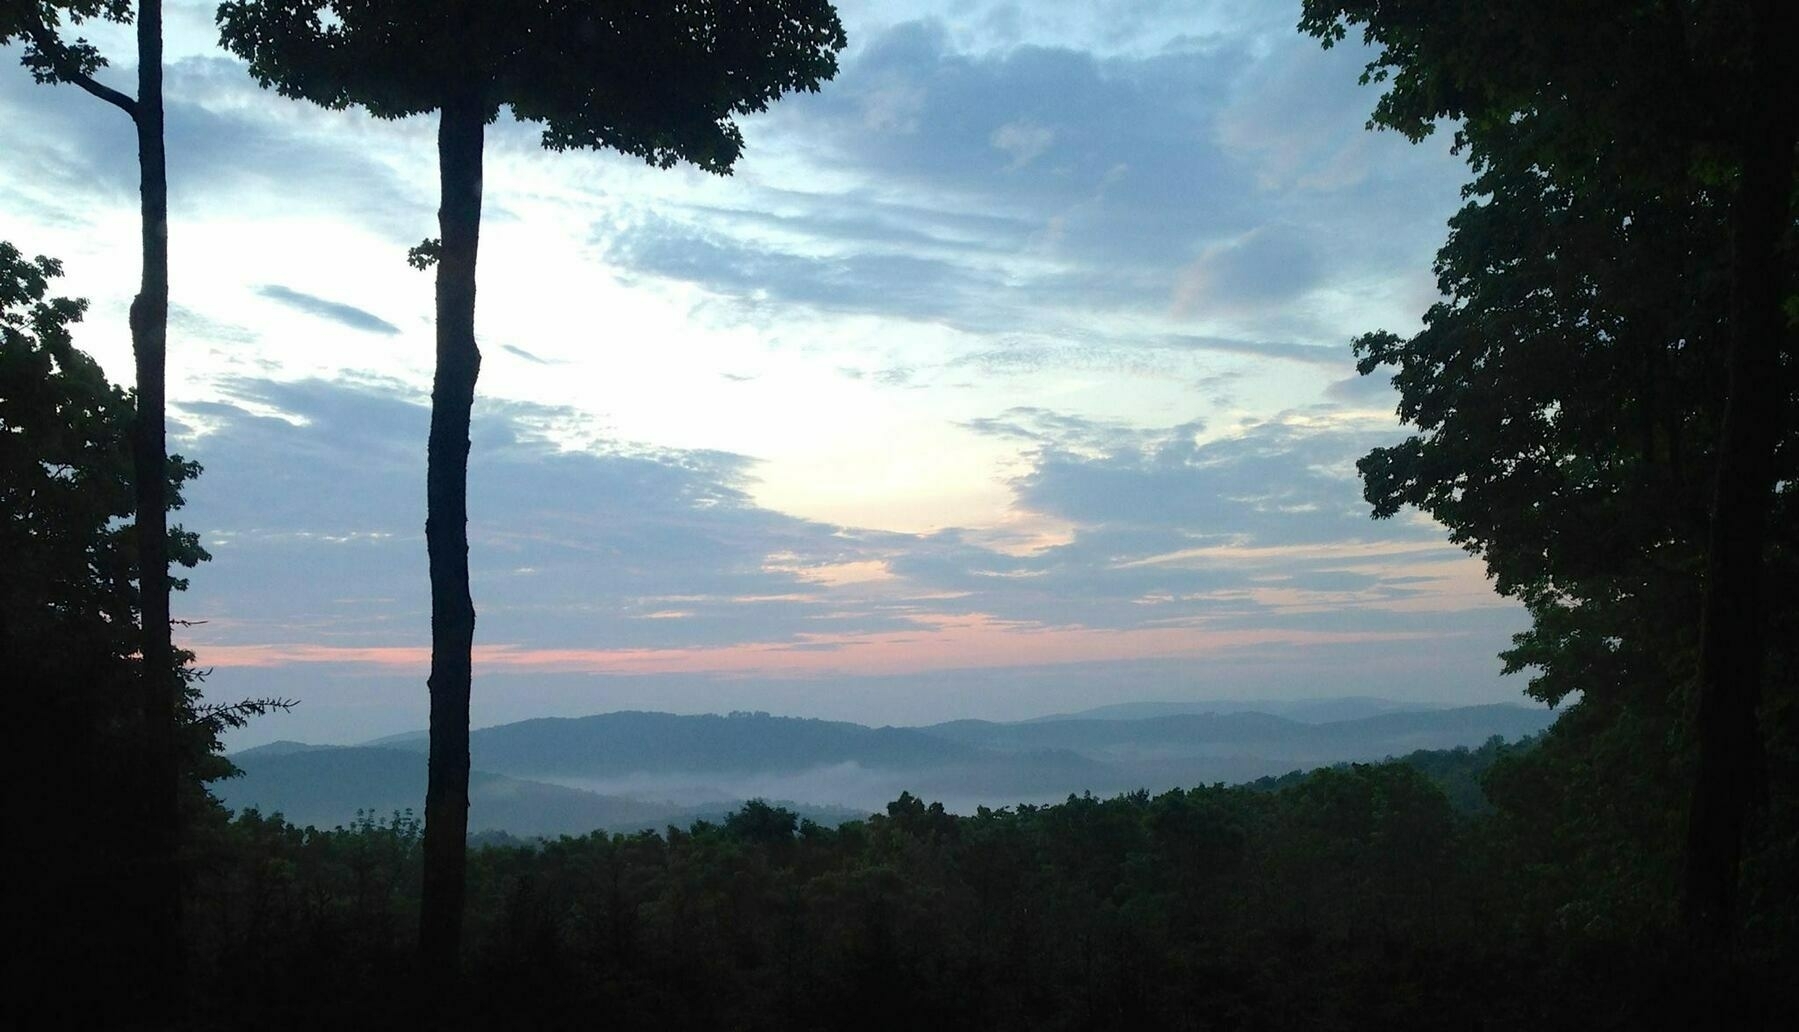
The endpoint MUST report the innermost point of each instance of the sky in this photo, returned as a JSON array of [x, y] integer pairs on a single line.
[[1008, 374]]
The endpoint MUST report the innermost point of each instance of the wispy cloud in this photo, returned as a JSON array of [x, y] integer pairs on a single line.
[[938, 644], [336, 311], [1287, 351], [513, 349], [1170, 543]]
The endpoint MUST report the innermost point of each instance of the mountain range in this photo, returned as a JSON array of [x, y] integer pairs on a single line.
[[634, 770]]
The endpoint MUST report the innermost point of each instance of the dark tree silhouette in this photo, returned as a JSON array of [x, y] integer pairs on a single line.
[[657, 80], [39, 25], [1732, 771], [1354, 896], [1657, 101], [70, 655]]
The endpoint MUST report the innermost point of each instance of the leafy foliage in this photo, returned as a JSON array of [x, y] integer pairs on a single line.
[[582, 69], [49, 56], [1598, 91], [69, 645], [1570, 391], [1566, 397], [65, 482]]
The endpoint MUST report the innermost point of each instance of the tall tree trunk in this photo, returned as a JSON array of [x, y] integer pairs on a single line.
[[1730, 771], [459, 141], [149, 343]]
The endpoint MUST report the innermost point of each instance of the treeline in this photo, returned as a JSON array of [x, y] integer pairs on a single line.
[[1356, 896]]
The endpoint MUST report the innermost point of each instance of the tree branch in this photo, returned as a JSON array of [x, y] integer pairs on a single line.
[[59, 65], [106, 93]]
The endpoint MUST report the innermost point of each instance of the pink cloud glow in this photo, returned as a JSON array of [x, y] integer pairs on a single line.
[[938, 643]]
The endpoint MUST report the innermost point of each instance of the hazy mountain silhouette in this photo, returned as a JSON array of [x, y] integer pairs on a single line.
[[630, 742], [636, 769], [1259, 734], [326, 785], [1310, 711]]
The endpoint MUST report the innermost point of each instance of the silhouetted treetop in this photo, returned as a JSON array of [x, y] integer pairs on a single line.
[[65, 479], [1588, 74], [658, 80], [1620, 320]]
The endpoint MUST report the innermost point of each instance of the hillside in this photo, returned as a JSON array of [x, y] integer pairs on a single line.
[[1308, 711], [630, 743], [634, 770], [326, 786]]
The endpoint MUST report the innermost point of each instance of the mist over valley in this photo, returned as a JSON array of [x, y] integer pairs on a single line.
[[631, 771]]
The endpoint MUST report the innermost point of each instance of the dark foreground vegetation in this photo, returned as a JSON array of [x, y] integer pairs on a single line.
[[1351, 897]]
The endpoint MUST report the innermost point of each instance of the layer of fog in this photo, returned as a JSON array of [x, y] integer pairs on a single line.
[[854, 786], [850, 785]]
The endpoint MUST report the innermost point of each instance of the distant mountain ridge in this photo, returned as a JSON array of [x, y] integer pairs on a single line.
[[638, 742], [1308, 711], [326, 786], [637, 769], [1343, 739]]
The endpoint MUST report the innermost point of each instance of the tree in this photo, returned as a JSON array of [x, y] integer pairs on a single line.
[[660, 81], [54, 59], [1602, 125], [70, 653]]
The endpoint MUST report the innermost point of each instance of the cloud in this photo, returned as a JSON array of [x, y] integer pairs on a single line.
[[1175, 527], [1375, 388], [225, 138], [1044, 190], [526, 355], [313, 502], [1163, 356], [193, 323], [988, 191], [627, 561], [1060, 430], [1267, 265], [891, 282], [1313, 354], [1095, 134], [868, 219], [1282, 480], [336, 311], [1023, 140], [313, 499]]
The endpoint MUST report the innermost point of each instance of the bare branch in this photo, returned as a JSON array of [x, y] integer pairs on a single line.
[[57, 61], [106, 93]]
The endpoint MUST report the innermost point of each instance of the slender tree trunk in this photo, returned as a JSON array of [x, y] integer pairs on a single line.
[[1731, 773], [459, 140], [149, 343]]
